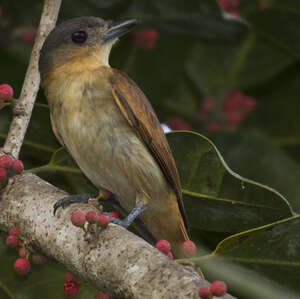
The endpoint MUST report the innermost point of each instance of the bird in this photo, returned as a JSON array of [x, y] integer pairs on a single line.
[[109, 127]]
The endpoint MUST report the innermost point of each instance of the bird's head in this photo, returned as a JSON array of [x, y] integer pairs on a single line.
[[79, 38]]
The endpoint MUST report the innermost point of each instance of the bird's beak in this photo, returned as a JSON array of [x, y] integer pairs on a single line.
[[119, 28]]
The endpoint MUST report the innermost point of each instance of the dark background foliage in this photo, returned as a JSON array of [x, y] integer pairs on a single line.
[[227, 72]]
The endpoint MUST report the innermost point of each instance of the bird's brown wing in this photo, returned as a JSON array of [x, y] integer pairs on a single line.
[[139, 113]]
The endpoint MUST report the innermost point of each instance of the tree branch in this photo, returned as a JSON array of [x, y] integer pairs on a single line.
[[115, 261], [23, 107]]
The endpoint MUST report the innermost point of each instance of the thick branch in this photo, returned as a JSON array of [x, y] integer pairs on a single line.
[[116, 261], [24, 106]]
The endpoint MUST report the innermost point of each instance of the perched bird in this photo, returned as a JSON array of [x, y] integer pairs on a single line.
[[108, 126]]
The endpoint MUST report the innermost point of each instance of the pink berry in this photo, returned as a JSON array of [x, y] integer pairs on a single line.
[[101, 295], [170, 255], [91, 217], [12, 241], [103, 221], [22, 252], [38, 259], [6, 161], [213, 127], [218, 288], [163, 246], [105, 193], [17, 166], [177, 123], [78, 219], [208, 104], [69, 276], [189, 248], [114, 214], [204, 293], [146, 39], [28, 35], [71, 288], [229, 4], [2, 174], [6, 92], [14, 231], [22, 266]]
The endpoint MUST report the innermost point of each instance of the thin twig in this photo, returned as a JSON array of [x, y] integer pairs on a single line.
[[23, 107]]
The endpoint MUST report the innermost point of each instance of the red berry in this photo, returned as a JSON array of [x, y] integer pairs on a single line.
[[91, 217], [6, 92], [71, 288], [163, 246], [17, 166], [22, 266], [177, 123], [218, 288], [6, 161], [69, 276], [189, 248], [229, 4], [146, 39], [28, 35], [105, 193], [213, 127], [78, 219], [38, 259], [2, 174], [170, 255], [101, 295], [114, 214], [12, 241], [204, 293], [103, 220], [14, 231], [208, 104], [22, 251]]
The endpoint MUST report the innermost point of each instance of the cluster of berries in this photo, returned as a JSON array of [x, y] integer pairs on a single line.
[[6, 93], [9, 166], [22, 264], [79, 218], [188, 248], [235, 108], [217, 289]]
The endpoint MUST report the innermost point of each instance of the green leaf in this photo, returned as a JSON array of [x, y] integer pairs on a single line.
[[216, 198], [199, 19], [269, 24], [253, 155], [272, 250], [238, 65]]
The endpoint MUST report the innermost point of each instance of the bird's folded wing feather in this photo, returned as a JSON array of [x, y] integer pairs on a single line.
[[140, 115]]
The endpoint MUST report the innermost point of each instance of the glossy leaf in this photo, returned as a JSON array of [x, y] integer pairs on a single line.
[[272, 250], [215, 197]]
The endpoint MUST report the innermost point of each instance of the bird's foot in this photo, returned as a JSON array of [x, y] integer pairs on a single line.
[[76, 198], [94, 199], [130, 218]]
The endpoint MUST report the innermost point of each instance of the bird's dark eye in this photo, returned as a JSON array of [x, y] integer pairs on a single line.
[[79, 37]]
